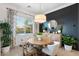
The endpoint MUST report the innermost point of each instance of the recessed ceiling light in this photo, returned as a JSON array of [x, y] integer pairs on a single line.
[[28, 6]]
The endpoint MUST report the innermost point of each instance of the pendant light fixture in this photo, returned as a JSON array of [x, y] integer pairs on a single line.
[[40, 18]]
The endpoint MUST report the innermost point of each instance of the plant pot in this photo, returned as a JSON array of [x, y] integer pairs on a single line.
[[5, 49], [67, 47]]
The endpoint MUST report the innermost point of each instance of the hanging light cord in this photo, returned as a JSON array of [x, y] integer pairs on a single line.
[[40, 8]]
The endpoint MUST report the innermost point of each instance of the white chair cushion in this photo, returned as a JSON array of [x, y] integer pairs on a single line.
[[46, 51], [51, 47]]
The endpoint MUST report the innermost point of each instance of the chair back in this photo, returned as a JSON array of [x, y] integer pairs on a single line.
[[55, 37], [57, 45], [54, 47]]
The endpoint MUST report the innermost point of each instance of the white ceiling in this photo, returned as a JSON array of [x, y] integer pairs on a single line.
[[45, 7], [35, 7]]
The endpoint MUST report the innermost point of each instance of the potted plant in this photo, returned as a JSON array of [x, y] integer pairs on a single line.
[[68, 42], [6, 37], [39, 35]]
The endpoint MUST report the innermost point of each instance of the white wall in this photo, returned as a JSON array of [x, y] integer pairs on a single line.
[[3, 13]]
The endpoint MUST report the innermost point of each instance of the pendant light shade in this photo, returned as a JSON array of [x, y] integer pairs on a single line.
[[40, 18]]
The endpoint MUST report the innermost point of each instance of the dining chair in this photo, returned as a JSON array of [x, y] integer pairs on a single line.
[[51, 49], [55, 37], [29, 50]]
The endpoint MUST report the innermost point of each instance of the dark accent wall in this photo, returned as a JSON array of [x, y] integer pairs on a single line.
[[78, 20], [78, 27], [68, 18]]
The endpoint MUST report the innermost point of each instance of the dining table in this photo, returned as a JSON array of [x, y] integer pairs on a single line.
[[43, 41], [39, 44]]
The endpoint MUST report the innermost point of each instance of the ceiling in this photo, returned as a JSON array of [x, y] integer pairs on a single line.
[[43, 7], [34, 8]]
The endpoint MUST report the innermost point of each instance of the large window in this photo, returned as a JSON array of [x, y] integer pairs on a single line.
[[24, 25]]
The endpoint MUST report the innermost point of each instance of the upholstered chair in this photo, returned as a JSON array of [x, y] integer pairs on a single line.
[[51, 49]]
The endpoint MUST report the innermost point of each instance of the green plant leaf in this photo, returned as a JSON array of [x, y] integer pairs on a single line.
[[6, 38]]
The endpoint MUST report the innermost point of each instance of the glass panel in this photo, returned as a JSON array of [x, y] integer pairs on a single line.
[[23, 25]]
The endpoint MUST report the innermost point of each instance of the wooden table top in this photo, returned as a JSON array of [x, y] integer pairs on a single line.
[[39, 42]]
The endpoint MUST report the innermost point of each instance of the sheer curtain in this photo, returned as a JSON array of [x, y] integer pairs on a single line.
[[10, 18]]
